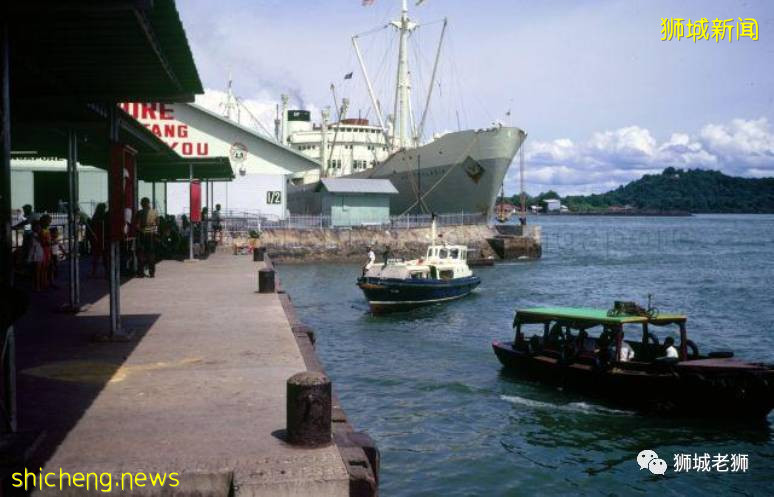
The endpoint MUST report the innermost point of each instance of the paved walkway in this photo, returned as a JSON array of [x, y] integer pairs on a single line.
[[200, 390]]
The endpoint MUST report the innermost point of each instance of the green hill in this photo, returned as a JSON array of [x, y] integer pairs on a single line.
[[694, 190]]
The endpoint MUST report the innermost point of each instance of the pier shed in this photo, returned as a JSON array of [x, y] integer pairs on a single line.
[[262, 164], [356, 202]]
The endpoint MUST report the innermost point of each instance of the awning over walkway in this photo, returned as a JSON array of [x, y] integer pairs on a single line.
[[155, 160], [106, 50]]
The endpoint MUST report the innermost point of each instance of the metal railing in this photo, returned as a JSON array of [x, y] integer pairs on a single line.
[[240, 222]]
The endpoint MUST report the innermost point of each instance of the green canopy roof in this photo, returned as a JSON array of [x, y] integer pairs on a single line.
[[589, 317]]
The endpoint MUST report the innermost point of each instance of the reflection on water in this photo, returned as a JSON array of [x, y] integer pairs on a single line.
[[450, 421]]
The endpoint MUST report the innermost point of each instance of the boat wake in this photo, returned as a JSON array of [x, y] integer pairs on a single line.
[[575, 407]]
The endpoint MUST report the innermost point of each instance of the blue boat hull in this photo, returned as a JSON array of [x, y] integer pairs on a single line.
[[391, 295]]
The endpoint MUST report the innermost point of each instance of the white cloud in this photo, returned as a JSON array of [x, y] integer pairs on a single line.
[[257, 111], [614, 157], [741, 143]]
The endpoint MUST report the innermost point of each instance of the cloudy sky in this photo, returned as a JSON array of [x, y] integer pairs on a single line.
[[602, 98]]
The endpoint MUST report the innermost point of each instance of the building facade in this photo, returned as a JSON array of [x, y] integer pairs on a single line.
[[262, 165]]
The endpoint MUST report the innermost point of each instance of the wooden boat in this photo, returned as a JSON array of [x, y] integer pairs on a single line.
[[563, 353], [441, 275]]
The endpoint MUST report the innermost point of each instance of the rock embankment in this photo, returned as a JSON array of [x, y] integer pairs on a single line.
[[350, 245]]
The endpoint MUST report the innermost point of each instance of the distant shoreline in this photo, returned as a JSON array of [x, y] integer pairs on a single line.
[[630, 212], [639, 213]]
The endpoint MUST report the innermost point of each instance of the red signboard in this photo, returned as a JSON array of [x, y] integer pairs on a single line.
[[122, 175], [160, 119], [196, 201]]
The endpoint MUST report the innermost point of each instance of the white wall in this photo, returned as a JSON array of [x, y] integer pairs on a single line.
[[245, 193]]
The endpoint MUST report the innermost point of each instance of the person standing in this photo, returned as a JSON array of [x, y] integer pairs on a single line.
[[97, 232], [387, 254], [146, 223], [217, 226], [371, 260], [35, 257], [203, 232]]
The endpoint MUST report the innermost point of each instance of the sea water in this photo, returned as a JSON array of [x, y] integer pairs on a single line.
[[450, 421]]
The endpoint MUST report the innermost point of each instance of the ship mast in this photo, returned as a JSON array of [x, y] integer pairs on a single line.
[[230, 104], [402, 114]]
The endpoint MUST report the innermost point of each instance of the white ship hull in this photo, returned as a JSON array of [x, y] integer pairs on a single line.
[[458, 172]]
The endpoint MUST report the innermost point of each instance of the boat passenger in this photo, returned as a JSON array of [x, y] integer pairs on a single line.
[[670, 351], [387, 254], [371, 260], [627, 352]]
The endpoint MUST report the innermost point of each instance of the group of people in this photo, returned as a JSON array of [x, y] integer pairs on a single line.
[[156, 237], [604, 347], [41, 248]]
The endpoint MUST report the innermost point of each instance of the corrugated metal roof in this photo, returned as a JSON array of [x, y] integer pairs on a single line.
[[358, 185]]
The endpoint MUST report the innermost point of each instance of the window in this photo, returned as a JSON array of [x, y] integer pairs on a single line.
[[443, 254], [454, 253]]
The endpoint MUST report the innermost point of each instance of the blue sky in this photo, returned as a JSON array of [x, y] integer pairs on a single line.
[[602, 98]]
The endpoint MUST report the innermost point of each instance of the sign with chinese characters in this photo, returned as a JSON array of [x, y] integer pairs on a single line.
[[677, 28], [698, 463]]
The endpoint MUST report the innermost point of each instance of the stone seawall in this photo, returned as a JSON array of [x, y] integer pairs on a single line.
[[349, 245]]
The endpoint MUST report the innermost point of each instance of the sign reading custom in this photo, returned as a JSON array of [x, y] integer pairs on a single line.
[[160, 119]]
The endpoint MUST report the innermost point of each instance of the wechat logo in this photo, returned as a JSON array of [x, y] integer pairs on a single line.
[[648, 459]]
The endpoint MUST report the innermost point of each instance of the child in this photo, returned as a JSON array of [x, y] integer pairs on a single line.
[[45, 241], [35, 257], [57, 251]]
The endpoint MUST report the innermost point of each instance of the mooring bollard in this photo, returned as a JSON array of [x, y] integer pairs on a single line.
[[265, 280], [309, 409], [258, 253]]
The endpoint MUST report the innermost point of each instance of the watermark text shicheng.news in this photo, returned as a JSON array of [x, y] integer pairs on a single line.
[[102, 482]]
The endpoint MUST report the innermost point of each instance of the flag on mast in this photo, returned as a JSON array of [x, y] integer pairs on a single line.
[[367, 2], [348, 75]]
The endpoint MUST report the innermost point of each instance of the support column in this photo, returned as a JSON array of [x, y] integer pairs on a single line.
[[6, 260], [114, 276], [72, 220], [7, 344], [190, 212]]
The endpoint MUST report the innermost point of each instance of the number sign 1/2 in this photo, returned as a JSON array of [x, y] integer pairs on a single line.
[[274, 197]]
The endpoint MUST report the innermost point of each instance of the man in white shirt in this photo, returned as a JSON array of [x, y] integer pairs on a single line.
[[627, 352], [371, 260], [670, 351]]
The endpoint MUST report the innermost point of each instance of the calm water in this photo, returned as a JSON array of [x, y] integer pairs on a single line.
[[449, 421]]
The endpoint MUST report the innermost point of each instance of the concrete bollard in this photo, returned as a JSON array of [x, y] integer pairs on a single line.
[[309, 409], [258, 253], [265, 280]]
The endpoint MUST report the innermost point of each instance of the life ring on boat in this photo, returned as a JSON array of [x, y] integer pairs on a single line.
[[694, 353], [653, 338]]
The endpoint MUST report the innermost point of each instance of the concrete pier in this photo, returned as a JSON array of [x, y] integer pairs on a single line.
[[199, 390], [349, 244]]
